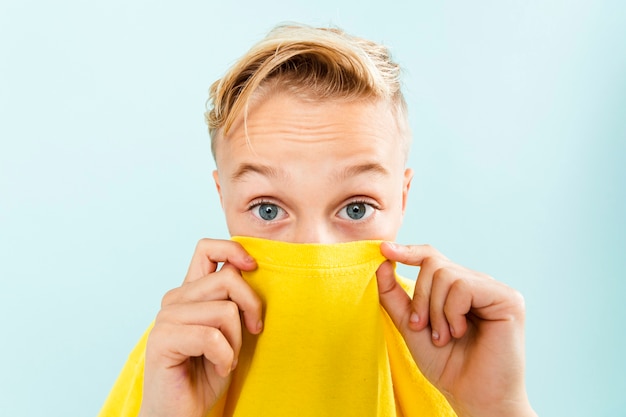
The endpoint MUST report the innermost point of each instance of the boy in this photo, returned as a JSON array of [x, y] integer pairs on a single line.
[[310, 137]]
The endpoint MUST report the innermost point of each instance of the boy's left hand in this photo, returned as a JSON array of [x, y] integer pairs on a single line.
[[464, 329]]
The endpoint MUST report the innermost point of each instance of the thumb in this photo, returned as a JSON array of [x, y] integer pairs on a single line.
[[392, 296]]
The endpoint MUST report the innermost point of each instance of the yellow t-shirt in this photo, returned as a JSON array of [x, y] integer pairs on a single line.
[[327, 348]]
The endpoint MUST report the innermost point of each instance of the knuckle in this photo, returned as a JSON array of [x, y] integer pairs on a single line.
[[210, 335], [163, 316], [201, 243], [204, 242], [460, 285], [383, 288], [228, 268], [430, 263], [442, 273], [432, 251], [225, 282], [213, 336], [438, 273], [429, 248], [169, 297], [231, 309], [158, 335], [518, 301], [458, 289]]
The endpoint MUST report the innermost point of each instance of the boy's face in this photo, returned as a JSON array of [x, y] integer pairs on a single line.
[[313, 172]]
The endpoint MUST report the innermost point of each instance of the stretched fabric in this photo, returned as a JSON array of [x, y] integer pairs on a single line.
[[327, 347]]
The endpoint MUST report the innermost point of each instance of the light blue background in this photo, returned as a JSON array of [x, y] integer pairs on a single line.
[[519, 116]]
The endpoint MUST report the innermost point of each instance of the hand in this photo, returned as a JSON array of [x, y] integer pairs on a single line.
[[195, 342], [464, 329]]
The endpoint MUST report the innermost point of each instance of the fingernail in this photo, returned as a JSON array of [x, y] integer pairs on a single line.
[[249, 259], [259, 326], [415, 318], [452, 330], [234, 365], [435, 335]]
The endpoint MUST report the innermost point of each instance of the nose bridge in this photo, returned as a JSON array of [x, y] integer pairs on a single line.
[[312, 229]]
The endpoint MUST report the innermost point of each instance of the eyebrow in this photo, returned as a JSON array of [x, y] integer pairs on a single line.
[[247, 168], [268, 171], [366, 168]]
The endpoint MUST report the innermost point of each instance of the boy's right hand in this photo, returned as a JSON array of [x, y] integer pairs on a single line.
[[196, 338]]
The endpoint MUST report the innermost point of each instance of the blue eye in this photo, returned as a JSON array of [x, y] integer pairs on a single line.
[[356, 211], [267, 211]]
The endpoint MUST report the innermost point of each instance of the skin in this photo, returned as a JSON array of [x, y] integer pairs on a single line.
[[309, 165]]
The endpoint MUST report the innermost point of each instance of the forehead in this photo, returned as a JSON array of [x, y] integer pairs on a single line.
[[295, 128]]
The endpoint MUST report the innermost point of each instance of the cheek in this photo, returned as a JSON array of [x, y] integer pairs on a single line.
[[384, 226], [390, 225]]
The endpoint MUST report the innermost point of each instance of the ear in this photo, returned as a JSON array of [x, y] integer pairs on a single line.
[[216, 178], [406, 185]]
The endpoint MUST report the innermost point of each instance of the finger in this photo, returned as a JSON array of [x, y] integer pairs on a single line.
[[226, 284], [457, 306], [491, 300], [422, 293], [393, 297], [409, 254], [397, 303], [210, 252], [174, 344], [222, 315], [443, 278]]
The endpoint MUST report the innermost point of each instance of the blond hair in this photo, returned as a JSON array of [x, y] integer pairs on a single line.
[[312, 63]]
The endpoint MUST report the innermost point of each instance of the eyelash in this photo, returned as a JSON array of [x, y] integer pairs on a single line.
[[363, 201], [262, 201], [375, 207]]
